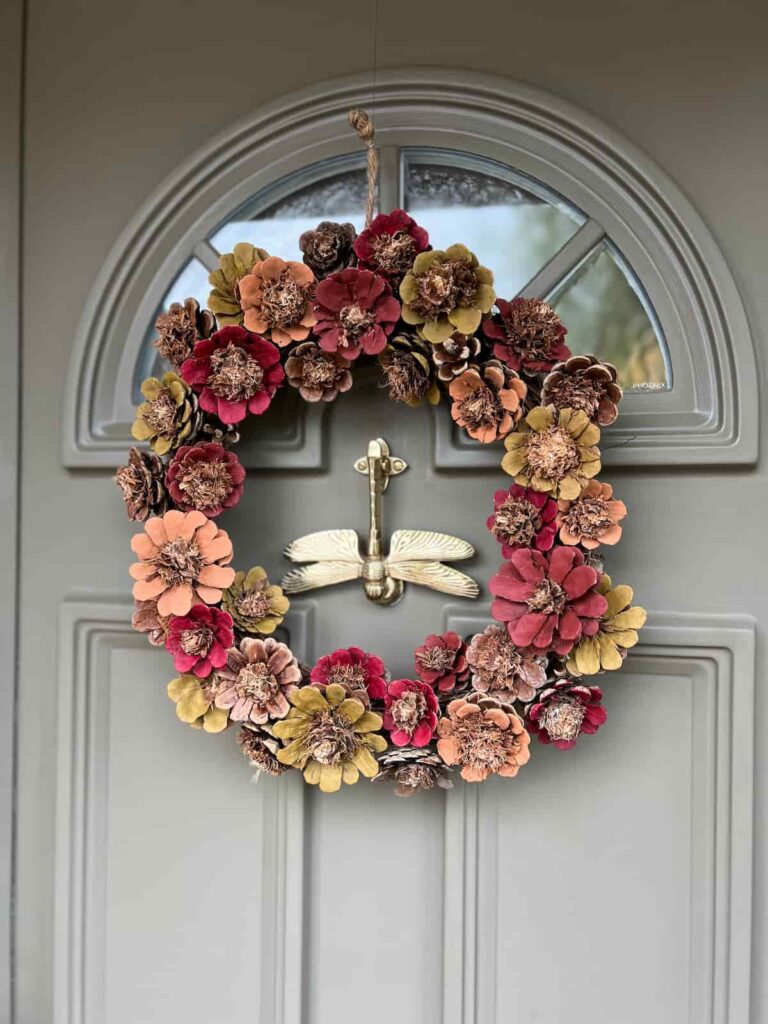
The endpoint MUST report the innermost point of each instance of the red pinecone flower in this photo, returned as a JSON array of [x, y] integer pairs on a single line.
[[390, 245], [548, 601], [564, 711], [199, 641], [234, 372], [523, 518], [355, 311], [441, 661], [352, 668], [411, 713], [205, 477], [528, 334]]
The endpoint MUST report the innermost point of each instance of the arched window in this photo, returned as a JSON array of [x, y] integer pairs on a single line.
[[551, 201]]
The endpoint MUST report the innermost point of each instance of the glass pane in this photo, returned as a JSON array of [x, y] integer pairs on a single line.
[[275, 220], [602, 308], [513, 225], [192, 283]]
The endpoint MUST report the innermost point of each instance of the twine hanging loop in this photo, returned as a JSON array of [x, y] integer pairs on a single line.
[[362, 124]]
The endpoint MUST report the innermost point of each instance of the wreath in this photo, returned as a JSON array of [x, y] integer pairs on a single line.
[[432, 321]]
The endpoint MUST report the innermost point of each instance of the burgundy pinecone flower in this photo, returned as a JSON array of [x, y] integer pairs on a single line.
[[356, 311], [411, 712], [354, 669], [205, 477], [199, 641], [528, 335], [390, 245], [441, 661], [562, 712], [548, 601], [523, 518], [235, 373]]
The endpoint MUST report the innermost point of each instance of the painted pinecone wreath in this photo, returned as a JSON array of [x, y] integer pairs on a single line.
[[432, 321]]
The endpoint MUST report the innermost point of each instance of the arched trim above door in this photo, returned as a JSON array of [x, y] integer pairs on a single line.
[[709, 414]]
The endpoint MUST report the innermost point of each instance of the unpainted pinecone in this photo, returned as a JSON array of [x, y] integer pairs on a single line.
[[180, 327], [259, 744], [142, 483], [413, 770], [408, 370]]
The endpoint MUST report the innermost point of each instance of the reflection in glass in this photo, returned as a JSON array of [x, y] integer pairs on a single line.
[[605, 315], [510, 229], [276, 227]]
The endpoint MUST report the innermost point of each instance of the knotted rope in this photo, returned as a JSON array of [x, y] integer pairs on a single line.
[[361, 122]]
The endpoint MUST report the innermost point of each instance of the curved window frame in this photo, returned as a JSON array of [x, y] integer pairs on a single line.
[[707, 416]]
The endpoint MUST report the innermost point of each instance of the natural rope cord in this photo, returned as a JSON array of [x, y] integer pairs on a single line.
[[361, 122]]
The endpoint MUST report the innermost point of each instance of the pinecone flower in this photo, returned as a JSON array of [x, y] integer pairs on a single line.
[[330, 737], [353, 668], [523, 518], [235, 373], [555, 451], [484, 736], [454, 355], [259, 744], [549, 601], [318, 375], [411, 712], [502, 669], [487, 400], [183, 559], [390, 245], [180, 328], [257, 680], [168, 416], [255, 604], [193, 698], [276, 297], [528, 335], [199, 640], [414, 770], [564, 711], [141, 483], [205, 477], [356, 312], [445, 292], [147, 619], [224, 300], [441, 661], [616, 633], [591, 519], [330, 247], [586, 383], [408, 371]]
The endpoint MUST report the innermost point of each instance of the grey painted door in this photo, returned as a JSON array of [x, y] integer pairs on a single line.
[[155, 882]]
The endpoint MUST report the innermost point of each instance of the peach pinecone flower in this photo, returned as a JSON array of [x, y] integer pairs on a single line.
[[484, 736], [183, 559], [591, 519], [276, 300]]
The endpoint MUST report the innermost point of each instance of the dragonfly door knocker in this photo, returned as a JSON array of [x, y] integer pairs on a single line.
[[415, 556]]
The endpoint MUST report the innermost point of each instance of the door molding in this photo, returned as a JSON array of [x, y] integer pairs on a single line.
[[91, 629], [718, 652]]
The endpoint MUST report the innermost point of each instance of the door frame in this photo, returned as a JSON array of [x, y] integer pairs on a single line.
[[11, 145]]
